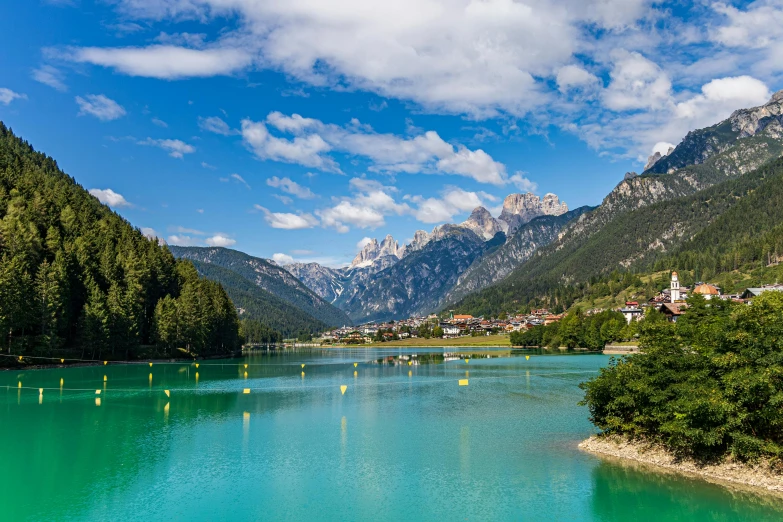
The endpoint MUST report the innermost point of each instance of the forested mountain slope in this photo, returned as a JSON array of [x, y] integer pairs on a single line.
[[270, 277], [253, 302], [498, 263], [736, 146], [737, 221], [75, 275]]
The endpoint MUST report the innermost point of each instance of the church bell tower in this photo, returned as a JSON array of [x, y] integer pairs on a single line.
[[675, 288]]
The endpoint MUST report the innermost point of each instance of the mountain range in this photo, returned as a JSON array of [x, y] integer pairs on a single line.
[[712, 207], [388, 281]]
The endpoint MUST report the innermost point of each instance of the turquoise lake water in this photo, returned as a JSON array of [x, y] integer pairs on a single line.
[[405, 442]]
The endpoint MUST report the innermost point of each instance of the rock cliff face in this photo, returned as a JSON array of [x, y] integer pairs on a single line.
[[374, 251], [519, 209], [483, 224]]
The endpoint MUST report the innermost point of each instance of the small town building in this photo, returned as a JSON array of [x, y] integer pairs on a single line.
[[708, 291], [672, 311], [632, 313]]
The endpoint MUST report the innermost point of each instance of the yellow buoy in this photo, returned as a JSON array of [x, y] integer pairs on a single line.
[[303, 365], [166, 410], [98, 401], [20, 384], [196, 365], [105, 363], [463, 382], [246, 391], [355, 365], [246, 367], [150, 365], [20, 358], [61, 383], [196, 377], [410, 363], [62, 361], [167, 392], [527, 357], [104, 378], [302, 375], [343, 388], [97, 392], [245, 375], [467, 361], [40, 391]]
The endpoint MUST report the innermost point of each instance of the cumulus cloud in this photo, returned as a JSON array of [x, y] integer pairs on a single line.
[[363, 242], [282, 259], [182, 240], [220, 240], [111, 198], [574, 77], [290, 187], [7, 96], [175, 148], [51, 76], [453, 201], [98, 105], [365, 208], [312, 141], [287, 220], [636, 83]]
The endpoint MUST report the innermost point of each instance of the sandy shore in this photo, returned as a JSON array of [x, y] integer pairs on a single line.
[[757, 476]]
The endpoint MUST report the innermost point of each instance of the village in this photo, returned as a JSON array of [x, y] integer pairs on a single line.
[[671, 302]]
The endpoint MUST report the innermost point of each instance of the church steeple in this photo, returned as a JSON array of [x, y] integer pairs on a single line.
[[675, 287]]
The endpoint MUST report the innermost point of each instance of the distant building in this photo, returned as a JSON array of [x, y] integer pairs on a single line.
[[632, 313], [672, 311], [708, 291], [750, 293]]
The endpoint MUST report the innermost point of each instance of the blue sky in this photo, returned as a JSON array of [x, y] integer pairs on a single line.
[[299, 127]]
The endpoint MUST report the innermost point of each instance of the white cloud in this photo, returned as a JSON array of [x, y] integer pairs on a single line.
[[313, 140], [149, 232], [185, 230], [574, 77], [7, 96], [175, 148], [215, 124], [282, 259], [164, 61], [290, 187], [721, 96], [758, 26], [240, 179], [453, 201], [363, 242], [111, 198], [206, 165], [522, 183], [283, 199], [220, 240], [286, 220], [98, 105], [50, 76], [301, 150], [348, 213], [178, 240], [636, 83], [160, 123]]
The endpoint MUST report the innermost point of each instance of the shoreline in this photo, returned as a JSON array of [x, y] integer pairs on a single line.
[[757, 477], [84, 364]]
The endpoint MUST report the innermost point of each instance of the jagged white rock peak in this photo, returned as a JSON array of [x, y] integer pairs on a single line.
[[373, 251], [519, 209]]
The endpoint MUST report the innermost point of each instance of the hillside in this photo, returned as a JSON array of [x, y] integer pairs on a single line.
[[645, 216], [253, 302], [733, 225], [269, 277], [76, 276]]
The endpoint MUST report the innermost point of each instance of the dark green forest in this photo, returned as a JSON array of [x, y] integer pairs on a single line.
[[735, 226], [708, 386], [77, 278], [259, 305]]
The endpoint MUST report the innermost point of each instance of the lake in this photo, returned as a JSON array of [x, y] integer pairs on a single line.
[[404, 442]]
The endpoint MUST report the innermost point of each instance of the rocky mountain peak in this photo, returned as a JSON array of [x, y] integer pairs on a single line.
[[777, 97], [373, 251], [519, 209], [767, 118], [483, 224], [656, 157]]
